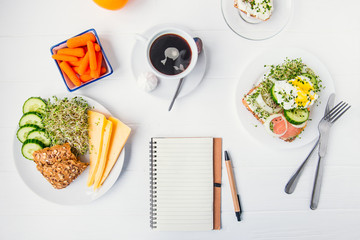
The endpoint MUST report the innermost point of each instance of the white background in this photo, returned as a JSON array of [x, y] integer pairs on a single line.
[[327, 28]]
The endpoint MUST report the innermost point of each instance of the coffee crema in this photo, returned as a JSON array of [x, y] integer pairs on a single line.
[[170, 54]]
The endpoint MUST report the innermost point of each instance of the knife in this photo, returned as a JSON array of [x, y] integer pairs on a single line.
[[323, 141], [291, 185]]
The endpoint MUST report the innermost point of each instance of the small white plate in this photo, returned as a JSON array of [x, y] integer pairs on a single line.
[[166, 88], [255, 70], [253, 29], [77, 192]]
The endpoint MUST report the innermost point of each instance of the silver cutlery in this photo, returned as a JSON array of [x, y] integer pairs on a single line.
[[176, 93], [324, 129], [291, 185], [199, 45]]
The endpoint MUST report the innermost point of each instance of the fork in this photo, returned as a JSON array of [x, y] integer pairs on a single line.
[[324, 129], [291, 185]]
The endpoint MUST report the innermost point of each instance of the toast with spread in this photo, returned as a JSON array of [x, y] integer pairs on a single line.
[[260, 9], [282, 99]]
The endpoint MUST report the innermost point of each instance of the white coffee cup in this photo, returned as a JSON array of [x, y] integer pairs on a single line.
[[184, 35]]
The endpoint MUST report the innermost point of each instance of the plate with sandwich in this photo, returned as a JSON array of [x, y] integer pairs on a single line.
[[68, 149], [281, 97], [257, 19]]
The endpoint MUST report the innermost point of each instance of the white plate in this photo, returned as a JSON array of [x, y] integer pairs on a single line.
[[252, 74], [166, 88], [77, 192], [251, 29]]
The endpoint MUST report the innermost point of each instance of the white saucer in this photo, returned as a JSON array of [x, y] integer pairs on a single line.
[[254, 29], [166, 88]]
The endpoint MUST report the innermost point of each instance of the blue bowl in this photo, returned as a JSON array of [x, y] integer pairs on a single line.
[[69, 85]]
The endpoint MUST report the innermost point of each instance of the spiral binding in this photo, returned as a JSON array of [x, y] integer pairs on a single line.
[[153, 178]]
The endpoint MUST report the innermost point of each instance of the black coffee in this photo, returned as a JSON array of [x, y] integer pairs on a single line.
[[170, 54]]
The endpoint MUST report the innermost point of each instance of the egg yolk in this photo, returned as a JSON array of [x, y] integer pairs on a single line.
[[305, 92]]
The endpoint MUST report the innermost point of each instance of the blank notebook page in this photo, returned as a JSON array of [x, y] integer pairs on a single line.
[[183, 184]]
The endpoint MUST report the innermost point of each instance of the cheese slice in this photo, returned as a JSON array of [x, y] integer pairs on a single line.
[[104, 153], [118, 139], [96, 123]]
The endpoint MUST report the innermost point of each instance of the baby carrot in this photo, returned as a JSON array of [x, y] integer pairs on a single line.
[[75, 63], [76, 69], [87, 72], [92, 55], [85, 77], [97, 47], [102, 70], [77, 52], [70, 73], [84, 64], [96, 73], [61, 57], [80, 40]]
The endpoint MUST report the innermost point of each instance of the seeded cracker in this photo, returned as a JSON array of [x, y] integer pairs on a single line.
[[58, 165]]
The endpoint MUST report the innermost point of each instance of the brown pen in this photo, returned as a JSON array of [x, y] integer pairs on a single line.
[[234, 194]]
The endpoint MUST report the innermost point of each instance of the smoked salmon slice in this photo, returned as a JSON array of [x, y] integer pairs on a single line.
[[291, 132], [281, 126]]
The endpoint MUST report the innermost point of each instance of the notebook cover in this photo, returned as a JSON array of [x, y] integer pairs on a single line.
[[217, 183]]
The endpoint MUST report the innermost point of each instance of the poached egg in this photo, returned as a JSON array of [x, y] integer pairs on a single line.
[[295, 93]]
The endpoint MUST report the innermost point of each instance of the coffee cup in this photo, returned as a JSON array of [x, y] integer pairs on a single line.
[[171, 53]]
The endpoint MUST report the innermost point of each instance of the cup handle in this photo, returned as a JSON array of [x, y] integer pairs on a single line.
[[199, 44], [140, 37]]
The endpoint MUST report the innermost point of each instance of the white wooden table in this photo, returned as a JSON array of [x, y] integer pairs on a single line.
[[328, 29]]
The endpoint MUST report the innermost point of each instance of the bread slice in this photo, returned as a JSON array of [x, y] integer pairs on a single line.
[[245, 6], [246, 104], [291, 133], [58, 165]]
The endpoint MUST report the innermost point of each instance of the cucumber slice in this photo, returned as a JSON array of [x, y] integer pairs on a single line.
[[297, 116], [30, 146], [31, 118], [273, 95], [34, 104], [23, 132], [41, 135]]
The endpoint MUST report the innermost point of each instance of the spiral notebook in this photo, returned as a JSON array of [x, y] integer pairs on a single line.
[[182, 184]]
